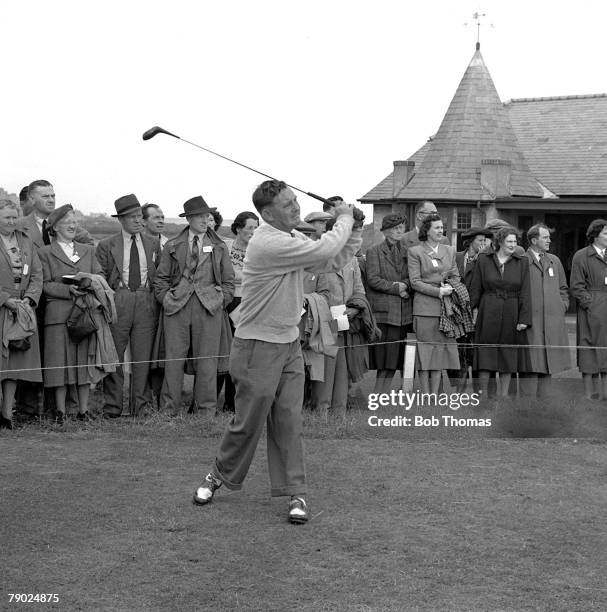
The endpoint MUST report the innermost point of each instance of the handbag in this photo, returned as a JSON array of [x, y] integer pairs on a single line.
[[80, 323], [23, 344]]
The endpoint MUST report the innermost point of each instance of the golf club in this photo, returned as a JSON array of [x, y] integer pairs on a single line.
[[148, 134]]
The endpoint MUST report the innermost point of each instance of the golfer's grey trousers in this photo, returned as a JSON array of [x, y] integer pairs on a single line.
[[269, 381]]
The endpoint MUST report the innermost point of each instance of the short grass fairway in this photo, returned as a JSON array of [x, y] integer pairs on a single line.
[[507, 517]]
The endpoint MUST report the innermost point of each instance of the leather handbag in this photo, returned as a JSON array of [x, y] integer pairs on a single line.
[[80, 323]]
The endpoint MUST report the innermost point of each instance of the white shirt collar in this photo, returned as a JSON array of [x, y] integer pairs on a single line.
[[127, 237]]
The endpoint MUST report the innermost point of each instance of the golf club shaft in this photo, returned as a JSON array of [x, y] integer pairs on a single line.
[[308, 193]]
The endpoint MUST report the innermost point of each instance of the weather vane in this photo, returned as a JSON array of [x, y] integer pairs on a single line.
[[477, 16]]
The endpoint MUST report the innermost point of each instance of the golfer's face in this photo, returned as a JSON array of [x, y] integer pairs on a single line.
[[285, 211]]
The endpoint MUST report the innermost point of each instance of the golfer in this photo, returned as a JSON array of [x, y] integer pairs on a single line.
[[265, 361]]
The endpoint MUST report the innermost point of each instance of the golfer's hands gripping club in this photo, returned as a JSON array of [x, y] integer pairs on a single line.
[[342, 208]]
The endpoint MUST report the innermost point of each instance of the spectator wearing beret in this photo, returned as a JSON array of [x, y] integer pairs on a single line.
[[389, 293]]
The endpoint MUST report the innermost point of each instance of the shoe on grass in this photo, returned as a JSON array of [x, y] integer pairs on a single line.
[[298, 510], [204, 493]]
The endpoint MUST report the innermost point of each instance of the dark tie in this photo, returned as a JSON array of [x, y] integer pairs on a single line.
[[134, 268], [45, 236], [195, 255]]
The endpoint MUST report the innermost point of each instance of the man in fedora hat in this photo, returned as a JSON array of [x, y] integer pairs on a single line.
[[194, 282], [128, 260]]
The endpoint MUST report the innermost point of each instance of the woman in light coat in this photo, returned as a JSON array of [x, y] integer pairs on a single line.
[[432, 267]]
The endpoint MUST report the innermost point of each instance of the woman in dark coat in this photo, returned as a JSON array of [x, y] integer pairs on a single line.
[[388, 292], [589, 288], [20, 285], [62, 356], [501, 292]]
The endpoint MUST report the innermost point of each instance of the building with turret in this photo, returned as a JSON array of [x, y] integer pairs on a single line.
[[525, 161]]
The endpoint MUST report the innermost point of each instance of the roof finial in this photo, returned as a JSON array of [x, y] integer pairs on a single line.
[[478, 16]]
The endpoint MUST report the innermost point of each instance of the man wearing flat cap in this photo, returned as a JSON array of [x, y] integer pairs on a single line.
[[128, 260], [318, 220], [194, 283]]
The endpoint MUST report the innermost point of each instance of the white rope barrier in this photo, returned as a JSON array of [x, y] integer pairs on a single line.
[[352, 346]]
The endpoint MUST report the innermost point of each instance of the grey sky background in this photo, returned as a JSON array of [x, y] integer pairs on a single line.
[[324, 95]]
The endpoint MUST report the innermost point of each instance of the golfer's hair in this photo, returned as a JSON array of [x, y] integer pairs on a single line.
[[426, 225], [6, 203], [534, 231], [23, 194], [594, 229], [266, 192], [330, 224], [329, 207], [502, 233], [241, 220], [35, 184], [146, 207]]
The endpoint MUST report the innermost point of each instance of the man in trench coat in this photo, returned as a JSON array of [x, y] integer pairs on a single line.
[[194, 283], [589, 288], [548, 352]]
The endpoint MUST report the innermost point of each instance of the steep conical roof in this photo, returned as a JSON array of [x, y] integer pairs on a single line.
[[475, 127]]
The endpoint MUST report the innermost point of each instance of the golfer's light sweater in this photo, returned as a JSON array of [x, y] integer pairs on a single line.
[[272, 278]]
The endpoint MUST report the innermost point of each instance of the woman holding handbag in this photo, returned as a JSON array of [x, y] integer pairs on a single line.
[[20, 289], [65, 360]]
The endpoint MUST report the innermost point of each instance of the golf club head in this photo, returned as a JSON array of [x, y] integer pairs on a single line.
[[157, 130]]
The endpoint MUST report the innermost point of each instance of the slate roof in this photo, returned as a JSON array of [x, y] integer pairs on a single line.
[[565, 141], [558, 142]]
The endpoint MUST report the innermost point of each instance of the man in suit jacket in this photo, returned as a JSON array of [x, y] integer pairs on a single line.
[[194, 283], [128, 260], [422, 210], [41, 203]]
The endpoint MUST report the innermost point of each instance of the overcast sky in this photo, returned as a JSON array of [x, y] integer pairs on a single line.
[[322, 94]]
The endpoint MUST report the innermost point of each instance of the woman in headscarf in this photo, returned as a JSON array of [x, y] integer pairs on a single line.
[[20, 289]]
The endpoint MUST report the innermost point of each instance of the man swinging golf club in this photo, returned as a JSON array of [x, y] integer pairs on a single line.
[[265, 361]]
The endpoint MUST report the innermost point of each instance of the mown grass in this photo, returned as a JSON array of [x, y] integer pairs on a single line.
[[509, 517]]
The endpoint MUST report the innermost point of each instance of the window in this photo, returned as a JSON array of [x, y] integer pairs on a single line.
[[464, 219]]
